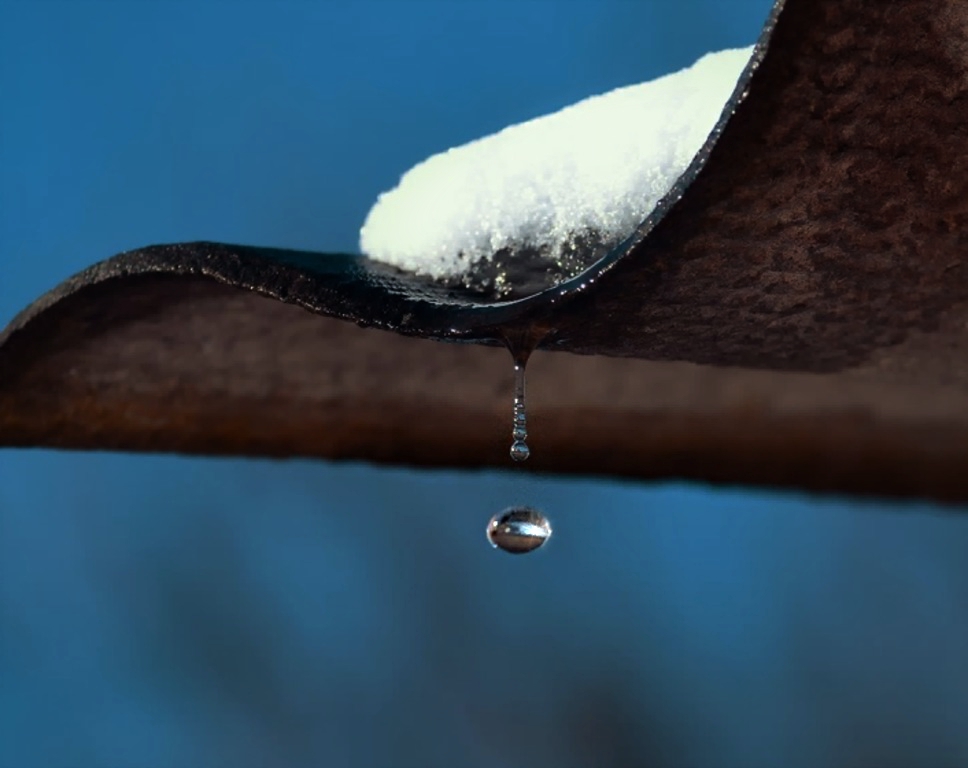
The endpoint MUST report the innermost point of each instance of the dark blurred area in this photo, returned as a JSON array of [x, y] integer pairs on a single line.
[[162, 611]]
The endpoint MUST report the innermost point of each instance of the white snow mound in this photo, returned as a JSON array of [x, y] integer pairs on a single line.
[[599, 165]]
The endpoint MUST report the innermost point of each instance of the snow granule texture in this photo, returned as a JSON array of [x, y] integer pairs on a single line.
[[599, 166]]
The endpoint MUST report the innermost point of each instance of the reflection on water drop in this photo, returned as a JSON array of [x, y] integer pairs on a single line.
[[520, 450], [519, 425], [518, 530]]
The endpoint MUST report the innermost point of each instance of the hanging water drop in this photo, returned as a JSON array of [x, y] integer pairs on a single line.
[[518, 530], [520, 450], [519, 423]]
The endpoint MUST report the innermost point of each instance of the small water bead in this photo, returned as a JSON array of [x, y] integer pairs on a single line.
[[518, 530], [520, 450], [519, 425]]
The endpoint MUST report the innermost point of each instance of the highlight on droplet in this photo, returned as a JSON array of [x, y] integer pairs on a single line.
[[518, 530]]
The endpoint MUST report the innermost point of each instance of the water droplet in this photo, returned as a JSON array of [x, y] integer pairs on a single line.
[[519, 424], [518, 530], [520, 450]]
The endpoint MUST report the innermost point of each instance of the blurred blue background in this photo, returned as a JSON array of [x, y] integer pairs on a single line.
[[165, 611]]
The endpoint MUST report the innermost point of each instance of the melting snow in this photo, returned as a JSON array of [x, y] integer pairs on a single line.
[[597, 167]]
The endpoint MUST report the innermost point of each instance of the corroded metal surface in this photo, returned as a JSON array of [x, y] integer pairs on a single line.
[[798, 318], [190, 365]]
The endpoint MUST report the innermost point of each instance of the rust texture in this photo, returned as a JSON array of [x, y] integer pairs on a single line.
[[799, 318], [831, 220]]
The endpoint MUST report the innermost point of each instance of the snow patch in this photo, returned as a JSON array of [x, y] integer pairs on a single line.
[[593, 170]]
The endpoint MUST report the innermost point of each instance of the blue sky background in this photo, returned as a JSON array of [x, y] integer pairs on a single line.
[[166, 611]]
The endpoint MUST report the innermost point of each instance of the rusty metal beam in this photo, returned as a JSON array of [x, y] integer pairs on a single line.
[[796, 316]]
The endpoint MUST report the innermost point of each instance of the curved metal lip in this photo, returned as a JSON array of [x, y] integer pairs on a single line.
[[370, 293]]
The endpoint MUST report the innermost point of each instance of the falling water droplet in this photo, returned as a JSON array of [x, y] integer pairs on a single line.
[[519, 424], [518, 530]]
